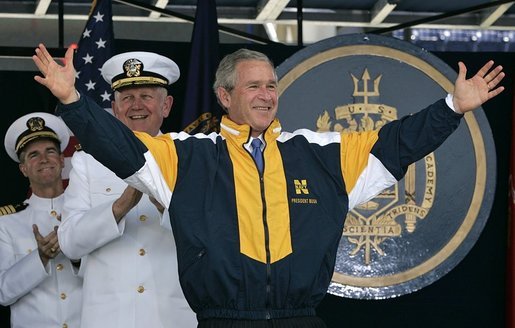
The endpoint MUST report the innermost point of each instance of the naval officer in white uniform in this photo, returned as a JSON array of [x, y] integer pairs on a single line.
[[37, 280], [129, 262]]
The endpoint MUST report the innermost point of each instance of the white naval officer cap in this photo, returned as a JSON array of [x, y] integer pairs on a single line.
[[139, 68], [33, 126]]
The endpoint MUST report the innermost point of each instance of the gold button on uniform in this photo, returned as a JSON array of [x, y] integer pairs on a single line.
[[59, 267], [143, 218], [142, 252], [63, 296], [141, 289]]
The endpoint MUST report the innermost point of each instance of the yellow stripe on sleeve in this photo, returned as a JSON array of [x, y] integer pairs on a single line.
[[164, 153], [355, 150]]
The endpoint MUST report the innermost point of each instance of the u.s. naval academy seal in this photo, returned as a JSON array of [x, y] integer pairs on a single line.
[[418, 230]]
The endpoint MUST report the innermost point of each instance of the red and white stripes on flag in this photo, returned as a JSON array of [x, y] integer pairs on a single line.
[[68, 152]]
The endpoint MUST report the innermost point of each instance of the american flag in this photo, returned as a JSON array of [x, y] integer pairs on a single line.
[[95, 46]]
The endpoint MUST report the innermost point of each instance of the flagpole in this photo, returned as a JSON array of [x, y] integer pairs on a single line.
[[61, 24], [300, 22]]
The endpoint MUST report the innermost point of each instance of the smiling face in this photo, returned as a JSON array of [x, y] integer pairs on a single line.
[[142, 108], [42, 162], [253, 100]]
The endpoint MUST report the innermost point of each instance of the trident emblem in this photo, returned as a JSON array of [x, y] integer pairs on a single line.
[[365, 93]]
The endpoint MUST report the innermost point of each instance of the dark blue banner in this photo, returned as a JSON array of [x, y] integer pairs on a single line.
[[201, 110]]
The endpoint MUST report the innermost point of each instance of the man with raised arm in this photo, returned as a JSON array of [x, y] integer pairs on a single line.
[[249, 247]]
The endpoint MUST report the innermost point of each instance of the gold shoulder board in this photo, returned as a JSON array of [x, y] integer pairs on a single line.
[[10, 209]]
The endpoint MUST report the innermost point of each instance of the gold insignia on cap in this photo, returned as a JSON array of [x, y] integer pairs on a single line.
[[36, 129], [135, 74], [36, 124], [132, 67]]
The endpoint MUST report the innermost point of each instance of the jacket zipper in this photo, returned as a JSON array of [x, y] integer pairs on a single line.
[[268, 304], [268, 292]]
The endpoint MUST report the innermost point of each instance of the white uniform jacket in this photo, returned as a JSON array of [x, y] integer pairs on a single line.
[[39, 296], [129, 269]]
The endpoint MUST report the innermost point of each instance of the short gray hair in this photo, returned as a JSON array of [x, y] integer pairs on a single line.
[[226, 72]]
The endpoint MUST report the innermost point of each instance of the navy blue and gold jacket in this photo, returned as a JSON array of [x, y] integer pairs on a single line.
[[250, 245]]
